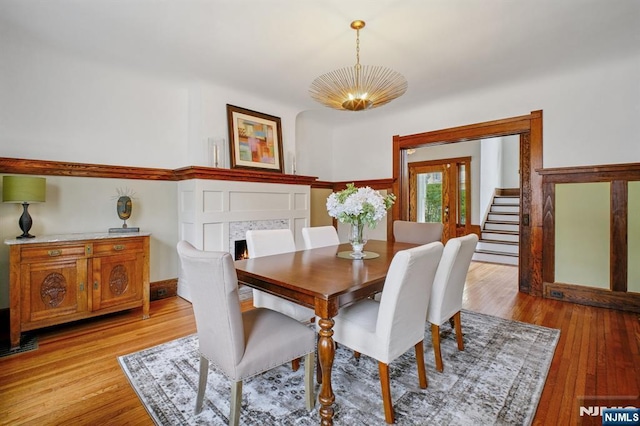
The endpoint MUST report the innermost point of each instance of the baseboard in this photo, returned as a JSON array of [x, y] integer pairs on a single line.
[[592, 296], [163, 289]]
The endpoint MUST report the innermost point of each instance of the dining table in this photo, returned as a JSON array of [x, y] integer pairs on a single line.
[[324, 279]]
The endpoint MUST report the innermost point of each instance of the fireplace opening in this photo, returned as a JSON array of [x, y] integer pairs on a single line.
[[240, 251]]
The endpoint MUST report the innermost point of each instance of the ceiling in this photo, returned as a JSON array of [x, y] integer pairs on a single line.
[[277, 47]]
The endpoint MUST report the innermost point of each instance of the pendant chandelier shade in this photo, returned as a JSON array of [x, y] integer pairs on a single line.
[[359, 87]]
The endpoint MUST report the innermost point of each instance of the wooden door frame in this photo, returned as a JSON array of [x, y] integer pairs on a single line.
[[450, 190], [529, 127]]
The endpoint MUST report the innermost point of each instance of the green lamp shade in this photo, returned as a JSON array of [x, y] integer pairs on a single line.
[[23, 189]]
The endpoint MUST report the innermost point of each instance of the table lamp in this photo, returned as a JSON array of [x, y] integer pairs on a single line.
[[25, 190]]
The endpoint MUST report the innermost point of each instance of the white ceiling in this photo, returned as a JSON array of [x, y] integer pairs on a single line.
[[277, 47]]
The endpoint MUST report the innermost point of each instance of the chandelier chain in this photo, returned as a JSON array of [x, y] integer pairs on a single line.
[[358, 48]]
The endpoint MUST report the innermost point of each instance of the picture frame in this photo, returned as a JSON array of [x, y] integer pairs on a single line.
[[255, 140]]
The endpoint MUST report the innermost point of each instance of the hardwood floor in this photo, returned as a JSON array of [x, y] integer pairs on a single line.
[[74, 377]]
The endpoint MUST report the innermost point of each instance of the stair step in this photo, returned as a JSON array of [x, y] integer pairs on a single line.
[[500, 231], [495, 258], [491, 225], [505, 208], [496, 253], [509, 236], [506, 199], [490, 241], [504, 217], [502, 247]]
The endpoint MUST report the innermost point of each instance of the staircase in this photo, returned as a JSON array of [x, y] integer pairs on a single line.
[[500, 231]]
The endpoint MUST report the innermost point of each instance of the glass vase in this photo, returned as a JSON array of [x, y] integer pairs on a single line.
[[357, 239]]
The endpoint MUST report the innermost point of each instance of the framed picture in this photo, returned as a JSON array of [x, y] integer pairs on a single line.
[[255, 140]]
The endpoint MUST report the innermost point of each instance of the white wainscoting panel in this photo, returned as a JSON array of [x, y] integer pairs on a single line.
[[214, 214]]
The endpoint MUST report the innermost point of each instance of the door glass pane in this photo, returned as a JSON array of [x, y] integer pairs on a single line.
[[429, 197], [462, 195]]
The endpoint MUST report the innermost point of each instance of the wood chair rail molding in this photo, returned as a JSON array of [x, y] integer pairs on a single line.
[[61, 168], [529, 127], [596, 173], [619, 176]]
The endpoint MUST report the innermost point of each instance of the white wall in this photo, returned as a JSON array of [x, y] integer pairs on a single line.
[[500, 168], [56, 107], [511, 162], [491, 172], [590, 117], [208, 119], [316, 157]]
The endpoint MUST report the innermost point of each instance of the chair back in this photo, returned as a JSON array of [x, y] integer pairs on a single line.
[[405, 297], [448, 285], [216, 305], [320, 236], [417, 232], [267, 242]]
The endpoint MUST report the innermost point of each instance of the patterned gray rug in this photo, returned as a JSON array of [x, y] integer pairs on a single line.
[[497, 379]]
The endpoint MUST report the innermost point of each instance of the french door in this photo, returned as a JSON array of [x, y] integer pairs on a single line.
[[439, 191]]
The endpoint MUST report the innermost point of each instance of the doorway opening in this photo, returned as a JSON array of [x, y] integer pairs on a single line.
[[529, 130]]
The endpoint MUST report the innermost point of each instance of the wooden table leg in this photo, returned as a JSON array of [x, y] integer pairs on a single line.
[[326, 353]]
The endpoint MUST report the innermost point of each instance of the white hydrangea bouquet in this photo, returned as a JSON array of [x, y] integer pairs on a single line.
[[359, 207]]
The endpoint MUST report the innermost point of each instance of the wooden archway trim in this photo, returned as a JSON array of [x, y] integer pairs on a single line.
[[529, 127]]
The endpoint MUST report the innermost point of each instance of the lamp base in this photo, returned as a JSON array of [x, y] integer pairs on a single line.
[[25, 222]]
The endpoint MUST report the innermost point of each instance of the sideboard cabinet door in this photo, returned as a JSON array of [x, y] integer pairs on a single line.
[[116, 281], [60, 281], [51, 290]]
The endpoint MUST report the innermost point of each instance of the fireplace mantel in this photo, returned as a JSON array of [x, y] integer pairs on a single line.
[[241, 175]]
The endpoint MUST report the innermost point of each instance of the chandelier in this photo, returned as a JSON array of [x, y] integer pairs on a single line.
[[359, 87]]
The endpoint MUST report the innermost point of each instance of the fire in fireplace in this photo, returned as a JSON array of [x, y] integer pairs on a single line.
[[240, 251]]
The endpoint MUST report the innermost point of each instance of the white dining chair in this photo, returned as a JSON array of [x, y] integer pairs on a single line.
[[320, 236], [417, 232], [448, 288], [240, 344], [268, 242], [386, 329]]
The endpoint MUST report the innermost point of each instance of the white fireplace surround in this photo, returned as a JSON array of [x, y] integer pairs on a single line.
[[213, 214]]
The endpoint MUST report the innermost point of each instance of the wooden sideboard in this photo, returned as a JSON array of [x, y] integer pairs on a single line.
[[60, 278]]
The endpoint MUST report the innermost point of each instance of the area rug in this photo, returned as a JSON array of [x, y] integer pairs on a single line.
[[497, 379]]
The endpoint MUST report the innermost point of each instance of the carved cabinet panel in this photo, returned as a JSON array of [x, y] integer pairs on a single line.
[[53, 289], [116, 280], [61, 281]]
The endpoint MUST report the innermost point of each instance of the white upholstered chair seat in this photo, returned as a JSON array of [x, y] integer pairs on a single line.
[[240, 344], [385, 330], [417, 232], [271, 339], [320, 236]]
